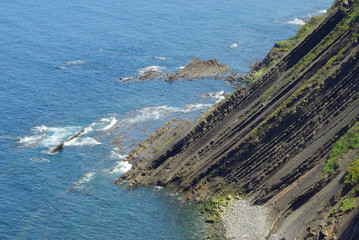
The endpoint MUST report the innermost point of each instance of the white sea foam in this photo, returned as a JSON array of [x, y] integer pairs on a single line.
[[317, 13], [157, 188], [61, 67], [31, 141], [75, 62], [217, 95], [149, 113], [112, 123], [57, 135], [173, 194], [86, 178], [39, 129], [89, 128], [48, 136], [296, 21], [115, 155], [234, 45], [154, 113], [121, 167], [194, 107], [160, 58], [322, 12], [149, 68], [39, 160], [82, 141]]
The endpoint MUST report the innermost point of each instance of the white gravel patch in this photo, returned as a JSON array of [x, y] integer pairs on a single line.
[[243, 221]]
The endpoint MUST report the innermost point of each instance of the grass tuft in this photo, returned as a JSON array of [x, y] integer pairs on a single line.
[[348, 203], [347, 142]]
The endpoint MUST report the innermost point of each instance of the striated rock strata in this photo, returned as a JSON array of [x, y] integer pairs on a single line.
[[273, 140], [200, 69]]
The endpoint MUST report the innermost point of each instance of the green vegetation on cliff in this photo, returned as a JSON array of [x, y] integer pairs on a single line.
[[347, 204], [289, 43], [346, 143], [352, 177]]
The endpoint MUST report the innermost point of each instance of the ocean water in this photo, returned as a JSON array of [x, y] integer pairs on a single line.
[[60, 64]]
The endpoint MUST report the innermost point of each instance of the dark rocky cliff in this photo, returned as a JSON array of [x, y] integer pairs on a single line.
[[289, 139]]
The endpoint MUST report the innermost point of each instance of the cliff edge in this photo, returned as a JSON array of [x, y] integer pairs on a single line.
[[289, 140]]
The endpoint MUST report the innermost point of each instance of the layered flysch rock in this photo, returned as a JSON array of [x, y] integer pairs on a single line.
[[195, 69], [288, 140], [148, 74], [200, 69]]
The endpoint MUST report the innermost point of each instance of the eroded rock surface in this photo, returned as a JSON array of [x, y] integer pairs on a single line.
[[148, 74], [200, 69]]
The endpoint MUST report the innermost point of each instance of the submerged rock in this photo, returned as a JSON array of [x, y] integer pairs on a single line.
[[148, 74], [61, 145], [200, 69]]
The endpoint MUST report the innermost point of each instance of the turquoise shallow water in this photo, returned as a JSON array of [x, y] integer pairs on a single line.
[[55, 81]]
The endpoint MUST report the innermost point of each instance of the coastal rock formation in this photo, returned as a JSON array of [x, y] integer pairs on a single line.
[[289, 140], [195, 69], [200, 69], [148, 74], [61, 145]]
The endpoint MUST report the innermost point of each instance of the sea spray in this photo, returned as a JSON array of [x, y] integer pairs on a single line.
[[80, 184]]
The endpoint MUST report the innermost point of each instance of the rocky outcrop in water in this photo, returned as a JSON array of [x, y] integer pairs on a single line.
[[288, 140], [195, 69], [147, 75], [200, 69], [61, 145]]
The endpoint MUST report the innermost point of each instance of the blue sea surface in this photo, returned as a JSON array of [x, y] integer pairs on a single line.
[[60, 65]]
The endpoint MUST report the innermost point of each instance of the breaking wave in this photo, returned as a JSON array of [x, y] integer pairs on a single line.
[[142, 71], [217, 95], [89, 128], [160, 58], [31, 141], [303, 19], [85, 141], [296, 21], [112, 123], [121, 167], [115, 155], [47, 136], [86, 178], [56, 135], [154, 113], [52, 136]]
